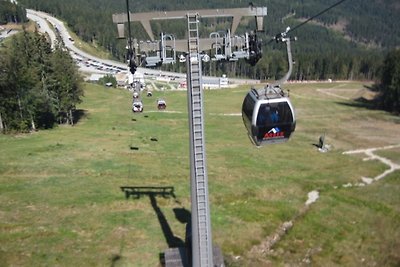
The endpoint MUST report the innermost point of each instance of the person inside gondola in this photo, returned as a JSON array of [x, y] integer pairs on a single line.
[[274, 115], [267, 116]]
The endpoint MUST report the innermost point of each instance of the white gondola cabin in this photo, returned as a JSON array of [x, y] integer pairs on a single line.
[[161, 104], [137, 106], [269, 118], [267, 113]]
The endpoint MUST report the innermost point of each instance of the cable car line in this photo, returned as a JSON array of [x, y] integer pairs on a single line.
[[320, 13], [130, 53], [307, 20], [267, 113]]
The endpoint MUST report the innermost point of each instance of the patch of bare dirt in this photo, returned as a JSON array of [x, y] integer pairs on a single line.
[[11, 26], [366, 94], [372, 132], [349, 93]]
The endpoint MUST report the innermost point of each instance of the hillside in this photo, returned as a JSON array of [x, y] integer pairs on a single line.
[[370, 22], [365, 21], [61, 202], [355, 34]]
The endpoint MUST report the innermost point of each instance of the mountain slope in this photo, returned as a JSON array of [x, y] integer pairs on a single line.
[[348, 30], [370, 21]]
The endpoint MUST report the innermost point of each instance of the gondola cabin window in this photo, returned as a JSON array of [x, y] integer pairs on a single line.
[[275, 122], [274, 114], [248, 107]]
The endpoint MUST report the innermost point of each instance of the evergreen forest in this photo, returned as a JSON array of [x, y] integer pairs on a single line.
[[38, 87], [348, 42], [11, 12], [357, 40], [389, 85]]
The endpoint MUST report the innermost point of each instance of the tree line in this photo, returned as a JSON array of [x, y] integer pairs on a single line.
[[39, 87], [11, 12], [389, 86], [320, 53]]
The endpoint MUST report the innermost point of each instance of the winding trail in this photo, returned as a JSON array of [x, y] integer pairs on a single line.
[[269, 242], [328, 91], [371, 156]]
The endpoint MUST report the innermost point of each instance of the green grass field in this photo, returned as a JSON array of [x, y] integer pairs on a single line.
[[61, 202]]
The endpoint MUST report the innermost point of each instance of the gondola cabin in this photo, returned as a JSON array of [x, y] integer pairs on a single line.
[[268, 118], [137, 106], [161, 104]]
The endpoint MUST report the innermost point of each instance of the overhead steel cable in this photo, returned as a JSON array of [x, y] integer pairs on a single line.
[[307, 20], [319, 14], [131, 54]]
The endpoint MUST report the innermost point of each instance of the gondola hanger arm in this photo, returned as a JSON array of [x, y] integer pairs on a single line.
[[274, 90], [285, 39]]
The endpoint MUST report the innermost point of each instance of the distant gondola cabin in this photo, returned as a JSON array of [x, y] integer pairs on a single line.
[[137, 106], [161, 104]]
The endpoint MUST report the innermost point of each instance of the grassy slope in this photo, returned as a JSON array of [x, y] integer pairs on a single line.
[[61, 203]]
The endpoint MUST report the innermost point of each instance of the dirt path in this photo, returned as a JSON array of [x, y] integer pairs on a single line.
[[330, 93], [267, 245], [371, 156]]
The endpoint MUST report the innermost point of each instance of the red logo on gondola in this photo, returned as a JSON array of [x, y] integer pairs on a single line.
[[274, 133]]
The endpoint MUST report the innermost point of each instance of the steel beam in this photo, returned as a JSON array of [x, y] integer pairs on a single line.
[[236, 13]]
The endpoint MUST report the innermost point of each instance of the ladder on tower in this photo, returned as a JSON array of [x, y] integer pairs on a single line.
[[202, 252]]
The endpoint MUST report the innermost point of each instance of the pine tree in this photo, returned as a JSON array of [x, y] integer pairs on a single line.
[[390, 82], [37, 86], [65, 85]]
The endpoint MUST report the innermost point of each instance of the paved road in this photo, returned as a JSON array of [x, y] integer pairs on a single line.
[[89, 63], [5, 33], [42, 25]]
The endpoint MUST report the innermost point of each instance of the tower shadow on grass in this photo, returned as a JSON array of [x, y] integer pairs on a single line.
[[181, 214]]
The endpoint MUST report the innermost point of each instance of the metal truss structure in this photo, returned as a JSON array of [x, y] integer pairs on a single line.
[[220, 45]]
